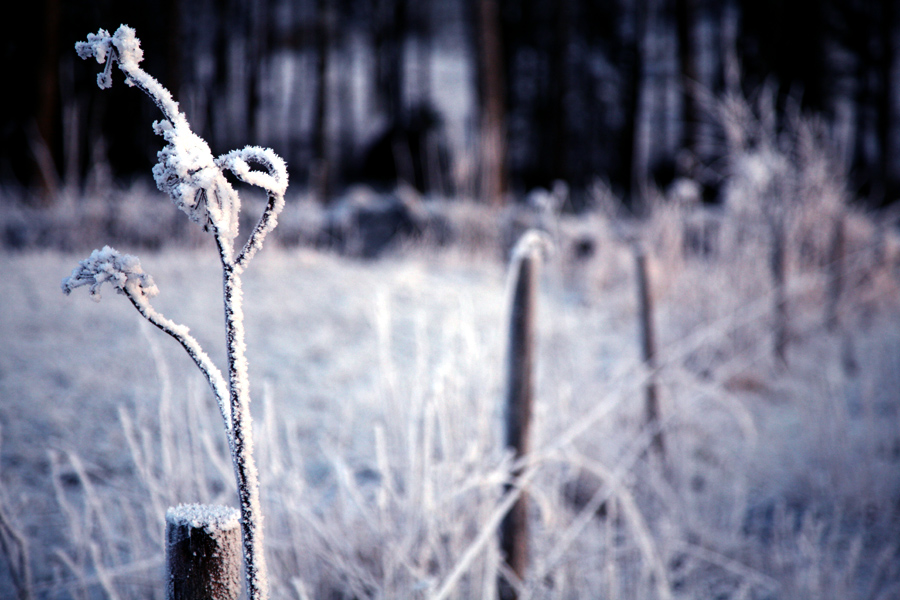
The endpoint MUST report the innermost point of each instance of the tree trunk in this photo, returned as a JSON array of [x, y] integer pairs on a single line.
[[836, 274], [45, 147], [320, 177], [390, 32], [641, 104], [258, 46], [686, 18], [494, 185], [891, 108], [559, 87], [217, 98], [173, 13], [779, 281]]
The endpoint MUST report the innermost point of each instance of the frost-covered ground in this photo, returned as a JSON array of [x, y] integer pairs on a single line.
[[377, 390]]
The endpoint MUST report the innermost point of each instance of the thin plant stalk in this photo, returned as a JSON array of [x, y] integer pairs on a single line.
[[196, 182]]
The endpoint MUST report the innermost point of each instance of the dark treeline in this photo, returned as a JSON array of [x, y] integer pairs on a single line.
[[473, 97]]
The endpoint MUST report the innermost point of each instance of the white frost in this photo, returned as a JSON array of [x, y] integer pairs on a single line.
[[195, 180], [125, 274], [209, 517], [122, 271], [532, 241], [186, 170], [188, 173], [275, 180]]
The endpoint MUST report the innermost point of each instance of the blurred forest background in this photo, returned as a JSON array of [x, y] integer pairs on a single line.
[[485, 99]]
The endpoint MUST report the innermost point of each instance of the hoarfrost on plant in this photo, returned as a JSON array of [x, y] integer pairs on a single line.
[[195, 180], [187, 170], [122, 271]]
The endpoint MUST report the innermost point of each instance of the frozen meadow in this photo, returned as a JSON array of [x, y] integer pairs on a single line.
[[379, 386], [377, 391]]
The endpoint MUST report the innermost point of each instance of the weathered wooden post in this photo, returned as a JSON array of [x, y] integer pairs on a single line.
[[203, 553], [521, 356], [648, 352]]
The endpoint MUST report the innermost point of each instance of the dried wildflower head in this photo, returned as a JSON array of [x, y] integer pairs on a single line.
[[122, 271], [186, 170]]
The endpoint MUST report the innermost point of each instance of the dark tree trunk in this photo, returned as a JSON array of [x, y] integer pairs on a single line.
[[45, 147], [635, 151], [423, 30], [779, 282], [217, 96], [890, 101], [320, 177], [258, 46], [494, 186], [173, 41], [559, 85], [390, 33], [686, 19]]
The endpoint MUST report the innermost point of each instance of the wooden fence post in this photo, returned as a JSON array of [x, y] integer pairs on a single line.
[[520, 398], [648, 352], [203, 553]]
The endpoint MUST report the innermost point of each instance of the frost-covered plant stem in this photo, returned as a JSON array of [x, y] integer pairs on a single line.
[[195, 180], [241, 426]]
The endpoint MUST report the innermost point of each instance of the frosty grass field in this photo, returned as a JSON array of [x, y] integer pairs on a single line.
[[377, 389]]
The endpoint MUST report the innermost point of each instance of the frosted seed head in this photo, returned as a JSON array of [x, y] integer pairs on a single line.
[[188, 173], [104, 80], [122, 271], [123, 46], [128, 45], [97, 45]]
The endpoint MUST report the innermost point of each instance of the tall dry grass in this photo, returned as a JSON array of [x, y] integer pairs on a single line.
[[782, 479]]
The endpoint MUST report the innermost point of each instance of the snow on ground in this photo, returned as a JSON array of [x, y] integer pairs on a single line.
[[342, 352]]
